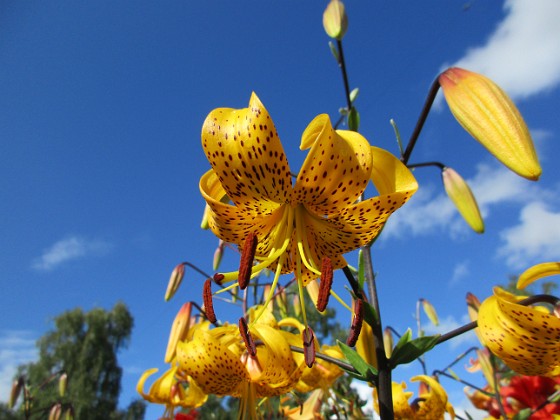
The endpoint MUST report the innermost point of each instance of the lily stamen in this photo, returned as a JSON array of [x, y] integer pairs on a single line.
[[247, 258], [356, 323], [247, 338], [207, 299], [325, 285], [308, 346]]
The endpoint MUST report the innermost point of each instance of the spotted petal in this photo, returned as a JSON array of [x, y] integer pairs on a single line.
[[336, 170], [434, 402], [243, 147], [525, 338]]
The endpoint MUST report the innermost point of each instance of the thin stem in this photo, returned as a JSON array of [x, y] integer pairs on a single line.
[[384, 385], [421, 120], [447, 375], [342, 65], [419, 165]]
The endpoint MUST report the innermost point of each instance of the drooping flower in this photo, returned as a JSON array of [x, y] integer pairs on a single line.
[[219, 363], [526, 338], [320, 216], [489, 115], [432, 403]]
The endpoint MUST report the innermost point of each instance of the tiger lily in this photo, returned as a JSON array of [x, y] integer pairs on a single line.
[[432, 403], [218, 361], [526, 338], [296, 225]]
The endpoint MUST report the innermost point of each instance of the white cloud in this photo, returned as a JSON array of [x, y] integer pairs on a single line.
[[535, 239], [522, 55], [16, 348], [460, 271], [366, 393], [68, 249]]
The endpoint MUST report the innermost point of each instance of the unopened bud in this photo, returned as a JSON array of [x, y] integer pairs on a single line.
[[218, 254], [56, 412], [489, 115], [461, 195], [473, 303], [62, 383], [175, 281], [15, 391], [69, 414], [388, 342], [537, 272], [430, 311], [335, 20], [179, 330]]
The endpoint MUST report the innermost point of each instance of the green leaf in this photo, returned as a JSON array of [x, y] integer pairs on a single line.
[[370, 315], [334, 52], [405, 338], [354, 94], [523, 414], [364, 368], [411, 349], [354, 119]]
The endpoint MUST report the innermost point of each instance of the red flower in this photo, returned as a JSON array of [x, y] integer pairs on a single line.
[[531, 392]]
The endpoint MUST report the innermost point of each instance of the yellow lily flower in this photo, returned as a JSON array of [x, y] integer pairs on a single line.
[[172, 390], [296, 226], [219, 363], [433, 403], [526, 338], [310, 409]]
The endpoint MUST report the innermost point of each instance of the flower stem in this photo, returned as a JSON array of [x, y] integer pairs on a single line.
[[342, 65], [421, 120]]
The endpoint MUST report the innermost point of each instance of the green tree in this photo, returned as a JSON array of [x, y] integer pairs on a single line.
[[84, 345]]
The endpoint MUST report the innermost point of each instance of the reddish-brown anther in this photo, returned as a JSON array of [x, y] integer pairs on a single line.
[[247, 257], [247, 338], [309, 346], [207, 299], [326, 284], [218, 278], [356, 323]]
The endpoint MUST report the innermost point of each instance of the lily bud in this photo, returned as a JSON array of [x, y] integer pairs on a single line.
[[56, 412], [218, 254], [489, 115], [537, 272], [175, 281], [179, 330], [461, 195], [335, 20], [388, 342], [15, 391], [62, 382], [430, 311], [69, 414]]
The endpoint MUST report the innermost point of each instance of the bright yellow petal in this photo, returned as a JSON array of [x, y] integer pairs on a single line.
[[401, 406], [243, 147], [233, 224], [434, 403], [142, 381], [391, 177], [212, 363], [525, 338], [336, 170], [537, 272]]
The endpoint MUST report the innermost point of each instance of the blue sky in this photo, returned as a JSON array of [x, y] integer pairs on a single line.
[[102, 105]]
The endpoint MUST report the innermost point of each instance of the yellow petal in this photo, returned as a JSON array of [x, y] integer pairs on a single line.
[[336, 170], [365, 346], [461, 195], [525, 338], [434, 403], [391, 176], [489, 115], [537, 272], [214, 366], [179, 330], [245, 152]]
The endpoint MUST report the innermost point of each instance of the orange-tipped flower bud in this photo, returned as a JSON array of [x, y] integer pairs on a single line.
[[430, 311], [179, 330], [56, 412], [489, 115], [335, 20], [461, 195], [62, 383], [175, 281]]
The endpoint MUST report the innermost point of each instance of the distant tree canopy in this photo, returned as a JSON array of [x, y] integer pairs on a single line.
[[84, 345]]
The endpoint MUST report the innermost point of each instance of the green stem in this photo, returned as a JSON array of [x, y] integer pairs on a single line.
[[342, 65]]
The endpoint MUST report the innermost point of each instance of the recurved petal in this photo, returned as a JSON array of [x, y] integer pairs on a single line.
[[391, 177], [336, 170], [537, 272], [525, 338], [232, 223], [434, 403], [214, 366], [243, 147]]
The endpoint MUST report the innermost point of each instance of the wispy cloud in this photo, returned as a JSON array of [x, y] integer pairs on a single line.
[[70, 248], [460, 271], [522, 54], [535, 239], [17, 347]]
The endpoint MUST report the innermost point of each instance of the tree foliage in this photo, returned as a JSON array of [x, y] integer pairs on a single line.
[[84, 345]]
